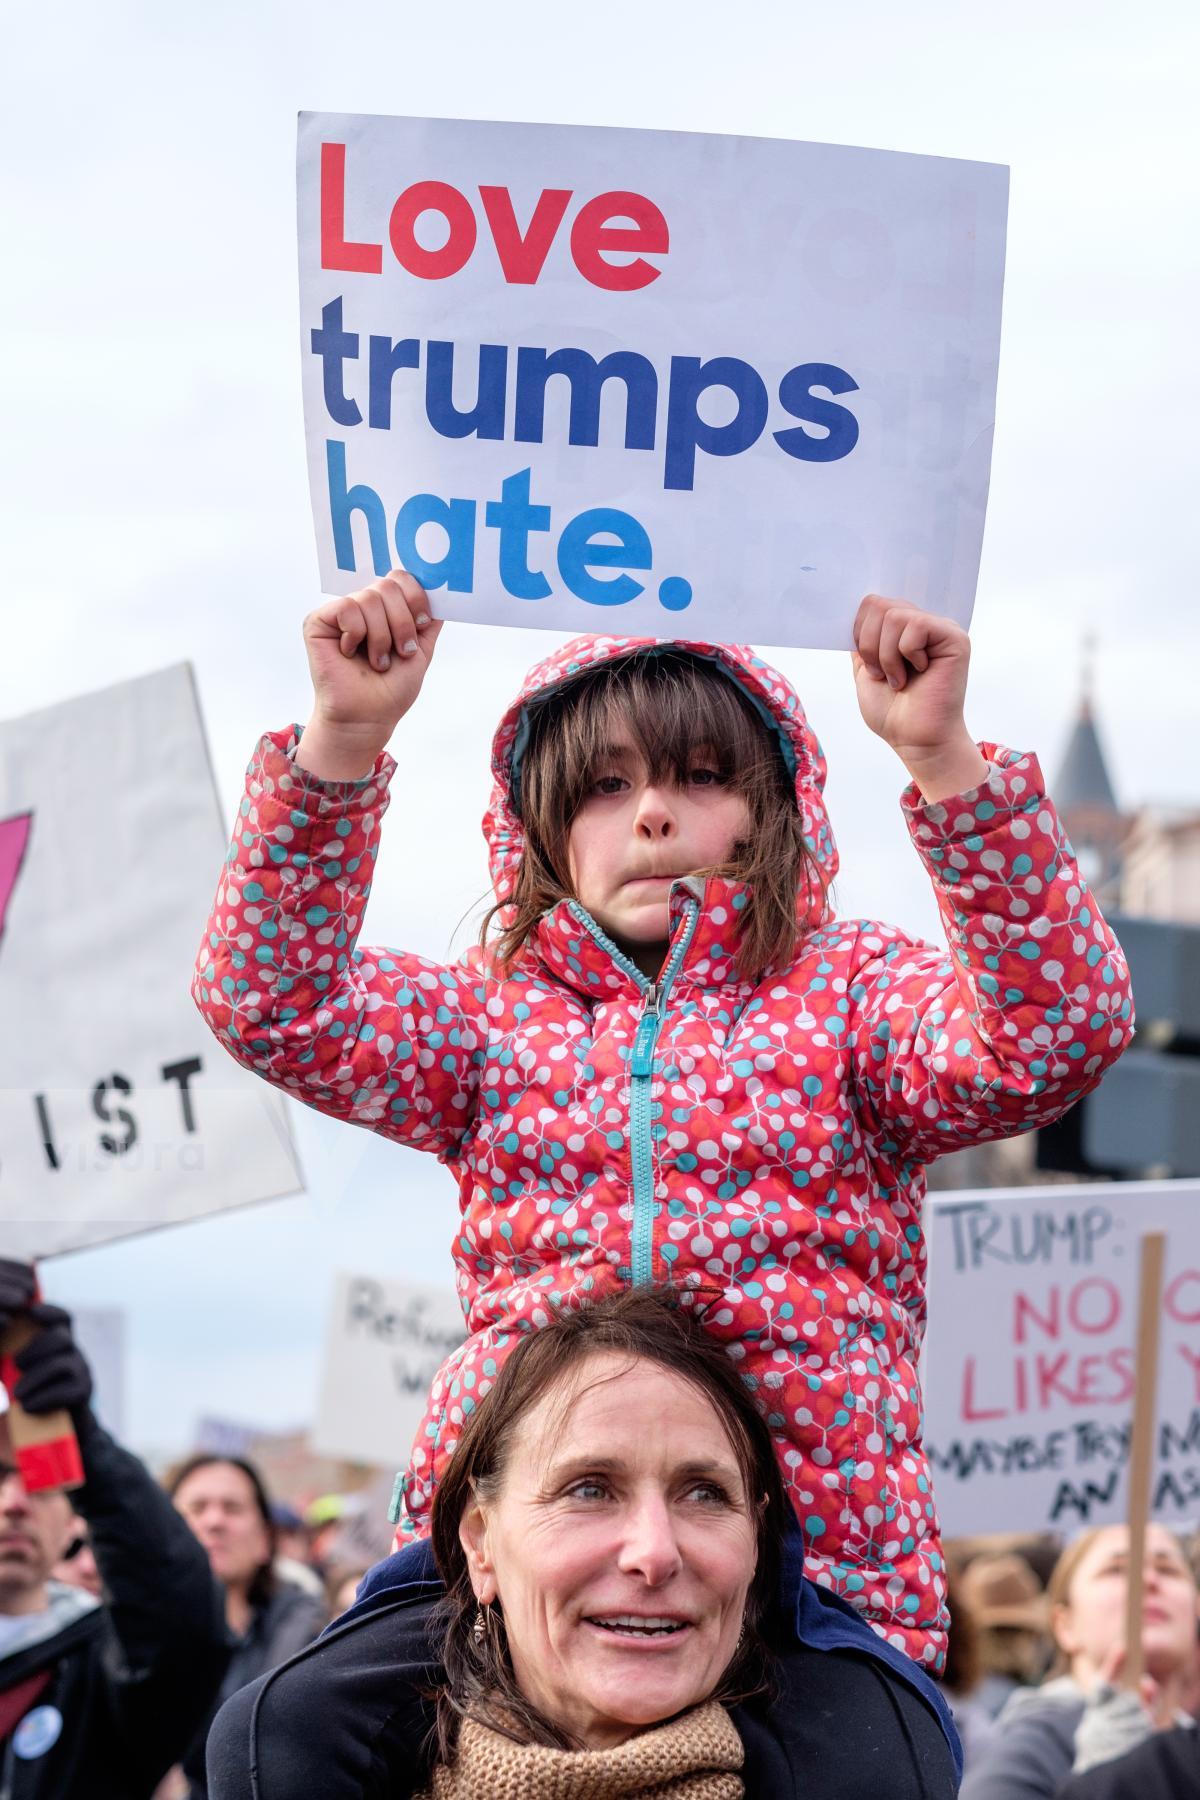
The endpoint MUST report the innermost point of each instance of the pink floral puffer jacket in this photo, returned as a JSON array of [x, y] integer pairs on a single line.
[[762, 1141]]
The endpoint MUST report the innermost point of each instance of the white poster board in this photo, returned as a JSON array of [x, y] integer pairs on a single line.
[[1029, 1355], [100, 1334], [118, 1111], [661, 383], [384, 1344]]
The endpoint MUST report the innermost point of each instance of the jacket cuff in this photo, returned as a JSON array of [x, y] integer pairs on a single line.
[[949, 833], [274, 775]]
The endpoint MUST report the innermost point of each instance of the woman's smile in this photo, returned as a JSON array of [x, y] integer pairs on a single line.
[[654, 1631]]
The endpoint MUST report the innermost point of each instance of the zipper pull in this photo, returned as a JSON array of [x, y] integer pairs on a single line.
[[641, 1059]]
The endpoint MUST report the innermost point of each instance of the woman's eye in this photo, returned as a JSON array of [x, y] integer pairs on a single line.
[[587, 1490], [706, 777], [709, 1493], [608, 784]]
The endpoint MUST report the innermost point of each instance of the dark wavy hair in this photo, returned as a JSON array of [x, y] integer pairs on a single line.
[[656, 1325], [671, 704], [263, 1585]]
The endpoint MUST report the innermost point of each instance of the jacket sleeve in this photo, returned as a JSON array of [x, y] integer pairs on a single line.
[[1031, 1005], [1027, 1758], [383, 1039], [168, 1647]]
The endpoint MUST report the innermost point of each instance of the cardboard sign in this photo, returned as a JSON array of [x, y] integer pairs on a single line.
[[651, 382], [1029, 1356], [385, 1342], [118, 1112]]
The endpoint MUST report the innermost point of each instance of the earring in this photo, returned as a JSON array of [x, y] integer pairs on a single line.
[[479, 1628]]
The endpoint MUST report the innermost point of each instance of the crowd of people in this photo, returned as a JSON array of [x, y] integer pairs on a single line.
[[133, 1610], [1037, 1652]]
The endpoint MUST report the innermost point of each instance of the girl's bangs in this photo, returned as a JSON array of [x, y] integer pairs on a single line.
[[666, 708]]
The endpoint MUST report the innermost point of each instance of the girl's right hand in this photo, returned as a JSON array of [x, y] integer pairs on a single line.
[[368, 655]]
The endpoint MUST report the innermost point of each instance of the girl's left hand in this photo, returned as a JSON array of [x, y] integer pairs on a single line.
[[910, 671]]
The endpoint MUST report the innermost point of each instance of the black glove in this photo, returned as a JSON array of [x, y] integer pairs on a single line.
[[18, 1284], [53, 1368]]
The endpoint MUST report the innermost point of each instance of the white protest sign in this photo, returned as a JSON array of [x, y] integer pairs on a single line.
[[384, 1344], [1029, 1357], [118, 1111], [653, 382], [100, 1334]]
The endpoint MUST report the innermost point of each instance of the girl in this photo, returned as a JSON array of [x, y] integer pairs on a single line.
[[670, 1060]]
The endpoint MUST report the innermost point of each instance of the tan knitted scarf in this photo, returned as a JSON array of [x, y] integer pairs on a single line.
[[693, 1758]]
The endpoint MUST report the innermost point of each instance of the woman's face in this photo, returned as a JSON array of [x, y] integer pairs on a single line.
[[621, 1548], [1092, 1623], [219, 1503]]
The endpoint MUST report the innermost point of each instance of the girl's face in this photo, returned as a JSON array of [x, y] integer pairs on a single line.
[[632, 837], [1092, 1622], [621, 1547]]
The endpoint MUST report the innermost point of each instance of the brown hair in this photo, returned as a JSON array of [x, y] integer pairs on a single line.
[[964, 1652], [671, 703], [641, 1323]]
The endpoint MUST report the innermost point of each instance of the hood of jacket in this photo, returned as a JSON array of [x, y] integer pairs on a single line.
[[773, 698], [44, 1636]]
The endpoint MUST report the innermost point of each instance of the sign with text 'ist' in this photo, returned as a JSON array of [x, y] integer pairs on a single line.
[[118, 1113]]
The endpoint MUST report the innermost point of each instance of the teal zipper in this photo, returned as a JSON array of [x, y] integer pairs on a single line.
[[641, 1072]]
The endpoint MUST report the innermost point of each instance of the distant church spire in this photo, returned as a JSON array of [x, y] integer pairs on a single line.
[[1087, 670], [1083, 790], [1083, 780]]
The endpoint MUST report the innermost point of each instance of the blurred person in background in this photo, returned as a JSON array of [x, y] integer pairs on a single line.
[[963, 1677], [1079, 1718], [293, 1549], [341, 1589], [269, 1618], [323, 1517], [98, 1697], [77, 1564], [1009, 1605], [1164, 1766]]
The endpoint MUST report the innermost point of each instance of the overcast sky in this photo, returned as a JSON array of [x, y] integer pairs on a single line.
[[155, 507]]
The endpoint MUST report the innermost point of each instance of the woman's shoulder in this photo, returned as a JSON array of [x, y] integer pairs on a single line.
[[1033, 1746]]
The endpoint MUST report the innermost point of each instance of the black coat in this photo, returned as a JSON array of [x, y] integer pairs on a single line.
[[1166, 1766], [345, 1720], [135, 1677], [284, 1624]]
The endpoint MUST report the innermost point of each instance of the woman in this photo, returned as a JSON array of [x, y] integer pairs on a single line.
[[609, 1537], [225, 1503], [1078, 1718]]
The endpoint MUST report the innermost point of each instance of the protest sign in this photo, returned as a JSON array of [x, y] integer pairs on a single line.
[[100, 1334], [660, 383], [1029, 1357], [117, 1111], [384, 1343]]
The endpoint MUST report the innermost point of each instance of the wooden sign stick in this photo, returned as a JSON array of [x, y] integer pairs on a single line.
[[1141, 1449]]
